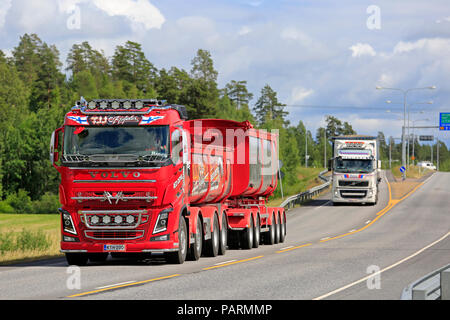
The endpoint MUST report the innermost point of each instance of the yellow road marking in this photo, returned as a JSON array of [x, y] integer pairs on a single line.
[[233, 262], [122, 286], [293, 248]]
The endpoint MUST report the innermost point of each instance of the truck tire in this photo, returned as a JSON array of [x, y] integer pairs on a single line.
[[248, 236], [76, 259], [282, 229], [195, 251], [212, 245], [257, 233], [179, 256], [223, 235], [277, 231], [270, 235]]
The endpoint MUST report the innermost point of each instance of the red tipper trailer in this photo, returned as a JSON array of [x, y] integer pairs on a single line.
[[138, 178]]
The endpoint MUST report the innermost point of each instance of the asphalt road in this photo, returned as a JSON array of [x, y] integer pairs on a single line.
[[329, 253]]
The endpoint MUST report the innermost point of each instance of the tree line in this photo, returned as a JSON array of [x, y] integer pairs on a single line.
[[36, 92]]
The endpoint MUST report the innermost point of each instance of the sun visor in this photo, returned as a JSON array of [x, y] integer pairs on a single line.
[[355, 154]]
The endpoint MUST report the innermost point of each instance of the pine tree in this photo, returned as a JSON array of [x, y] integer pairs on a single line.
[[268, 106], [130, 65]]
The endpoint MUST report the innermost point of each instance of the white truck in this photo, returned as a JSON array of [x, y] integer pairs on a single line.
[[356, 169]]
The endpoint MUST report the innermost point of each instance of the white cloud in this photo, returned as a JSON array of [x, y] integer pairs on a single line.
[[299, 94], [432, 45], [362, 49], [140, 12], [4, 8]]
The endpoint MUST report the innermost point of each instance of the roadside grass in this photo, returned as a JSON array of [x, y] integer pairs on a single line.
[[26, 237], [414, 172], [307, 178], [402, 187]]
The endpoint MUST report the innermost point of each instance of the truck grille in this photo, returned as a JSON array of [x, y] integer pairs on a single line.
[[113, 197], [355, 194], [114, 234], [343, 183]]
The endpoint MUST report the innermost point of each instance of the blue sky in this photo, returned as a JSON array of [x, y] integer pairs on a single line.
[[313, 53]]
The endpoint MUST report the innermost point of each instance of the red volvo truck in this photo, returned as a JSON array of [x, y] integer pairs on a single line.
[[137, 177]]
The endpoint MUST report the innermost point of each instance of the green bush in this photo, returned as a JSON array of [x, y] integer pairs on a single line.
[[5, 207], [20, 202], [49, 203]]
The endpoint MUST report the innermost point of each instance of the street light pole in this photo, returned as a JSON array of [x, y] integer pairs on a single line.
[[405, 93]]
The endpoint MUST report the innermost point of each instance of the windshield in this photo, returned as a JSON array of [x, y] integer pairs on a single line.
[[353, 166], [116, 144]]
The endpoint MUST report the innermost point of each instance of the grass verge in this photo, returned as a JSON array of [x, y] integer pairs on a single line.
[[307, 178], [25, 237]]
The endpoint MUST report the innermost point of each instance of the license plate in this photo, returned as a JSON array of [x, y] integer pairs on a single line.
[[114, 247]]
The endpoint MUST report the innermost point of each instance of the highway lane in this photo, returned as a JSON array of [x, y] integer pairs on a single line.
[[306, 266]]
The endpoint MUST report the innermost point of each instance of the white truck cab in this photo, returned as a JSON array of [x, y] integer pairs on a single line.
[[356, 169]]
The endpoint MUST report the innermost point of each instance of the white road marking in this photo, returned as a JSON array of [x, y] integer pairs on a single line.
[[325, 238], [368, 221], [113, 285], [385, 269], [286, 248], [353, 230]]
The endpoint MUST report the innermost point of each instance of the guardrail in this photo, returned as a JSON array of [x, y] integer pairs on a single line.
[[433, 286], [307, 195]]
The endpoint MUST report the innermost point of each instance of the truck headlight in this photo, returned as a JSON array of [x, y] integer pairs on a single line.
[[68, 225], [161, 222]]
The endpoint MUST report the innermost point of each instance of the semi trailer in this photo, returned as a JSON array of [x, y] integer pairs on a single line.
[[355, 169], [139, 178]]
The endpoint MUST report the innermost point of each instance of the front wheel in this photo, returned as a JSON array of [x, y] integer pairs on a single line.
[[180, 256]]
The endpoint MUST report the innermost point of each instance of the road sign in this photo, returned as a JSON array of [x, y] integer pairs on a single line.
[[426, 138], [402, 169], [413, 158], [444, 121]]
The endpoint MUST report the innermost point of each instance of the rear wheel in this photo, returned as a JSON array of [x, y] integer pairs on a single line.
[[283, 229], [76, 259], [277, 232], [257, 233], [212, 245], [270, 235], [180, 256], [223, 235], [247, 236], [195, 251]]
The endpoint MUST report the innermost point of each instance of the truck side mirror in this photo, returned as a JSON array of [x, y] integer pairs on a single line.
[[54, 142]]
